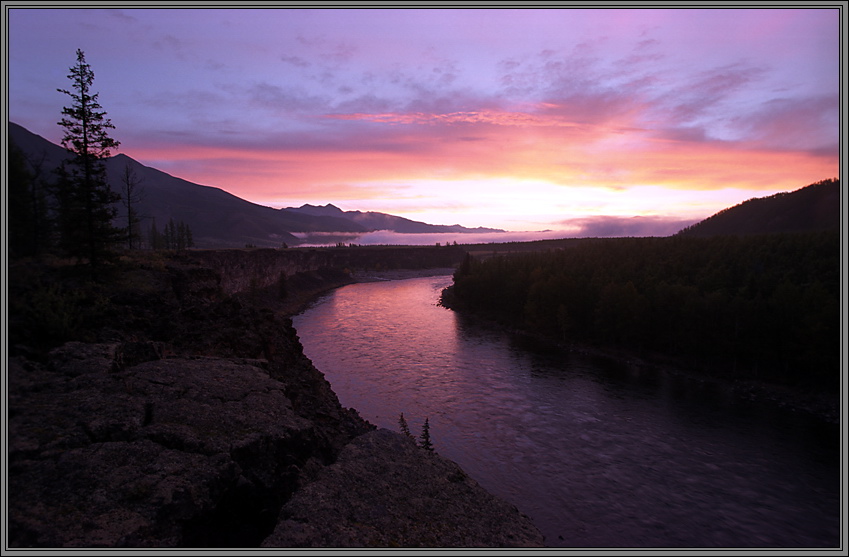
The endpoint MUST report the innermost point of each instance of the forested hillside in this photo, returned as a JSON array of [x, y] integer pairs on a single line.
[[764, 307], [814, 207]]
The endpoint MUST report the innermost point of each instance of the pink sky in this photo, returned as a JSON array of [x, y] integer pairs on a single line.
[[523, 119]]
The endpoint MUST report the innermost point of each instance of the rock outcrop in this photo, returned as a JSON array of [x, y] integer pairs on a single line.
[[385, 491], [167, 453], [245, 270], [190, 417]]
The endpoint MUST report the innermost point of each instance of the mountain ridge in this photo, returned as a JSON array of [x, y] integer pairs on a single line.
[[810, 208], [373, 220], [217, 218]]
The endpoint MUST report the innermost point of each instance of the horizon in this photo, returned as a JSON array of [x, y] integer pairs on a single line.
[[601, 227], [527, 120]]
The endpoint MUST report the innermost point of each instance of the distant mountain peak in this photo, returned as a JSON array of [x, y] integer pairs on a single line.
[[330, 206], [328, 210]]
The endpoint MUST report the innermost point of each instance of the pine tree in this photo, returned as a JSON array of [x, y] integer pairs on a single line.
[[170, 235], [86, 210], [132, 196], [182, 236], [405, 429], [190, 239], [175, 236], [425, 437], [155, 239]]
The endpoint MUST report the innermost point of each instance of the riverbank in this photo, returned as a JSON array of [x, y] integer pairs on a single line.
[[578, 442], [150, 408], [400, 274], [303, 289], [820, 406]]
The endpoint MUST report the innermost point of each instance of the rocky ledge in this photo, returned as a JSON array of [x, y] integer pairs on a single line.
[[386, 491], [212, 429]]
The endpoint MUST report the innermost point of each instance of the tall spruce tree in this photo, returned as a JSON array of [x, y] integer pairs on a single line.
[[405, 429], [425, 437], [86, 208]]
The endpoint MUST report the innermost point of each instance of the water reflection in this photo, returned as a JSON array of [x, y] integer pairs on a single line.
[[598, 452]]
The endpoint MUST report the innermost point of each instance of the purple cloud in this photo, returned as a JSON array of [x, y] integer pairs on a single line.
[[805, 124], [616, 226]]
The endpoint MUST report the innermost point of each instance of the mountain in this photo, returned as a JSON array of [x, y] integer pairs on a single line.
[[814, 207], [218, 218], [382, 221]]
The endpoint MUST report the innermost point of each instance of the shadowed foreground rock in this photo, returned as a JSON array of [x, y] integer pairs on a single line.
[[384, 491], [212, 429]]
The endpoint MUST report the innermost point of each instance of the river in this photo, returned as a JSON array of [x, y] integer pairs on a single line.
[[599, 453]]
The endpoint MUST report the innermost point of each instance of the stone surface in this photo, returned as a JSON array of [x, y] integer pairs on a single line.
[[385, 491], [168, 446], [193, 419]]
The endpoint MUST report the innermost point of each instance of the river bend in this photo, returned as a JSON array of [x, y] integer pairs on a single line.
[[599, 453]]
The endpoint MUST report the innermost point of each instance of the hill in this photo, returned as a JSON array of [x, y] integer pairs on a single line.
[[219, 219], [381, 221], [809, 209]]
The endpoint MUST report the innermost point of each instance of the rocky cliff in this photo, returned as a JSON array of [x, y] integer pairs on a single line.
[[249, 269], [180, 411]]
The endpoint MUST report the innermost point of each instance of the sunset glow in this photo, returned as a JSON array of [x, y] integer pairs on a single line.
[[523, 119]]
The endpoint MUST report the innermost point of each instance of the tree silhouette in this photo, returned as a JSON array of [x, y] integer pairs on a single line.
[[765, 306], [86, 209], [29, 226], [405, 429], [425, 437], [155, 239], [132, 196]]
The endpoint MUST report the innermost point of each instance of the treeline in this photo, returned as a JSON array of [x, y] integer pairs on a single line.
[[176, 236], [42, 220], [765, 307]]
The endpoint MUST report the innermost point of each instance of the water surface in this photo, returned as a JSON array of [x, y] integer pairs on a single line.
[[599, 453]]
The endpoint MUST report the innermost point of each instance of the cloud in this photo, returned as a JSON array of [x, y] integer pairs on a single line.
[[277, 99], [688, 134], [172, 43], [617, 226], [641, 91], [122, 16], [799, 124], [702, 94], [491, 117], [336, 52], [334, 105], [577, 100], [389, 237], [296, 61]]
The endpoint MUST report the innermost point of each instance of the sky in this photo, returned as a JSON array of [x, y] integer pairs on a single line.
[[599, 121]]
